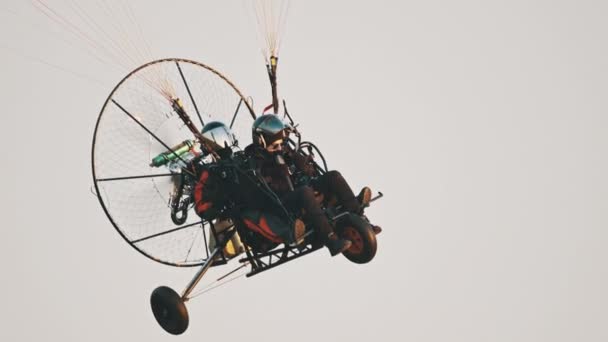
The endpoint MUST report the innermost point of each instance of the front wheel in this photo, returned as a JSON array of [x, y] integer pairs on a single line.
[[361, 234], [169, 310]]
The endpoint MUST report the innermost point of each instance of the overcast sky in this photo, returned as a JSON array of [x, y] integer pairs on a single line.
[[483, 122]]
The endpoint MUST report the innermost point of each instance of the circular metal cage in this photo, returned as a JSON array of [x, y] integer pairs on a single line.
[[141, 147]]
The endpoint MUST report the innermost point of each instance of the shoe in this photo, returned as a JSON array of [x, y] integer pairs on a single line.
[[364, 196], [337, 246], [299, 231], [377, 230]]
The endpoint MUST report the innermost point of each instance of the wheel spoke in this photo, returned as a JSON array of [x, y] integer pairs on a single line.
[[166, 232], [236, 112], [136, 177], [189, 93], [147, 130]]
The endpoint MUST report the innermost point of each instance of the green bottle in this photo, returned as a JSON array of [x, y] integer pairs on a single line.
[[166, 157]]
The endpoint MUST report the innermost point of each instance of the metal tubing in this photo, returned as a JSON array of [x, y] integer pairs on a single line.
[[379, 196], [136, 177], [340, 215], [236, 112], [199, 275], [189, 93], [280, 262]]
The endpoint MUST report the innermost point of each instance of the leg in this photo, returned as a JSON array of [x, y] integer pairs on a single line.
[[332, 184], [302, 200]]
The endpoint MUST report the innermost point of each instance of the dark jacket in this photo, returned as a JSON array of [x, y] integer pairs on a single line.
[[208, 197], [278, 176], [232, 183], [230, 189]]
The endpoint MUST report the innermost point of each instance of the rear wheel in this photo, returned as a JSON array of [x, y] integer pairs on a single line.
[[169, 310], [361, 234]]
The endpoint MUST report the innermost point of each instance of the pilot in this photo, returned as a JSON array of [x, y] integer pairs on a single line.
[[210, 192], [270, 135], [272, 161], [226, 191]]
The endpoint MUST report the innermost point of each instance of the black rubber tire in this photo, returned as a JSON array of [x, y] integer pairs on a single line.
[[361, 234], [169, 310]]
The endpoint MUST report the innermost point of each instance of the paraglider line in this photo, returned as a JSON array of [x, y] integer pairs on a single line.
[[218, 282], [232, 272], [216, 286], [192, 245]]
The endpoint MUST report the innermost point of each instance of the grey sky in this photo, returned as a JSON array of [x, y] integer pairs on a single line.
[[483, 122]]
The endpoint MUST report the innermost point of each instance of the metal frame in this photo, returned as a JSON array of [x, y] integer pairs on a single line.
[[275, 257], [109, 101], [259, 261]]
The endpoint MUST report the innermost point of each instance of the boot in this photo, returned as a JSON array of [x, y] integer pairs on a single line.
[[364, 196], [377, 229], [337, 245]]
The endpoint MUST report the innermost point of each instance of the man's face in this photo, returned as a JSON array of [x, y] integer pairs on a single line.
[[275, 147]]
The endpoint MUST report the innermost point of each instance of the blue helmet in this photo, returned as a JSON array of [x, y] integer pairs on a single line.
[[218, 136], [269, 128]]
